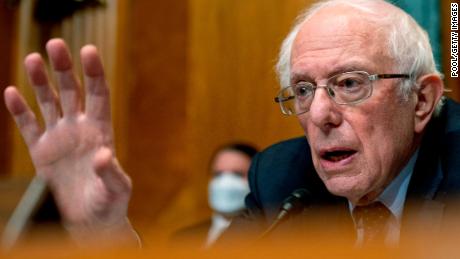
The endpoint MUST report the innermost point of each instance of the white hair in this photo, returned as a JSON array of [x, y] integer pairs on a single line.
[[407, 44]]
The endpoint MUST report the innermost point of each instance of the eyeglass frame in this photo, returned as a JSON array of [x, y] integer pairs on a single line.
[[373, 77]]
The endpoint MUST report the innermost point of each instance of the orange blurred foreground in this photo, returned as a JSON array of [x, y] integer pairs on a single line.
[[420, 246]]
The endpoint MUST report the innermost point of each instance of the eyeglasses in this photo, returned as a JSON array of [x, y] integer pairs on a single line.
[[345, 88]]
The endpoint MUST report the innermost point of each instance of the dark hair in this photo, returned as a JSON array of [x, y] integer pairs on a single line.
[[244, 148], [247, 149]]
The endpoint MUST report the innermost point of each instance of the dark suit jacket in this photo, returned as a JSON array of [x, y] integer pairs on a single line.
[[286, 166]]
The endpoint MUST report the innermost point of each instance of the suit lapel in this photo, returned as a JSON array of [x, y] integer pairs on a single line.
[[421, 219], [422, 213]]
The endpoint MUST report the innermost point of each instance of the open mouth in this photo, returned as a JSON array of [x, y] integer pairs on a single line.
[[337, 155]]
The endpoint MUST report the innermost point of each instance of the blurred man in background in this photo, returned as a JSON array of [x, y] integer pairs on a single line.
[[227, 188]]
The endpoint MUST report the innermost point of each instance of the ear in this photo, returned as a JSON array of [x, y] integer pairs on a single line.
[[429, 93]]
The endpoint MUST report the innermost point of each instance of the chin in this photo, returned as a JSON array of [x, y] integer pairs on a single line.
[[349, 187]]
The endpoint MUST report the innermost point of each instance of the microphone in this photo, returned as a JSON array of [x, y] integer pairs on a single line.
[[292, 205]]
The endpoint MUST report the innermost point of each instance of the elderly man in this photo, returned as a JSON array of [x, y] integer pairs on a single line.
[[361, 79]]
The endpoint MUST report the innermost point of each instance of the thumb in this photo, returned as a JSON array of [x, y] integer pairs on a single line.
[[110, 172]]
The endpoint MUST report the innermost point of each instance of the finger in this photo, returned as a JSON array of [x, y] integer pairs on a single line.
[[108, 169], [97, 92], [23, 116], [46, 96], [69, 87]]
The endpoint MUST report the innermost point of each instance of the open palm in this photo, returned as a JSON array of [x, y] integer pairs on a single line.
[[74, 151]]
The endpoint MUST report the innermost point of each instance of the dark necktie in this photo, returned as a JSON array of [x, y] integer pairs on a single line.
[[372, 219]]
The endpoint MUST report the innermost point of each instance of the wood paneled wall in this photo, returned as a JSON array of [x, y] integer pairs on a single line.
[[7, 30], [197, 92], [155, 128], [233, 47]]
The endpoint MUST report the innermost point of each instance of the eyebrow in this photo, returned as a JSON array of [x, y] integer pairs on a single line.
[[352, 66]]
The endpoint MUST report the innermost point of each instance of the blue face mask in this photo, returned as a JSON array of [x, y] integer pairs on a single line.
[[226, 193]]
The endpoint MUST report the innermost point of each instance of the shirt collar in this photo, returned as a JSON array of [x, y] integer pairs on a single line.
[[219, 221], [394, 195]]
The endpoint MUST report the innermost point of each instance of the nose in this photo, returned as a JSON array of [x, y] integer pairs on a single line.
[[324, 112]]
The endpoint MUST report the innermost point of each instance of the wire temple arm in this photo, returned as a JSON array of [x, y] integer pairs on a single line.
[[283, 99], [393, 76]]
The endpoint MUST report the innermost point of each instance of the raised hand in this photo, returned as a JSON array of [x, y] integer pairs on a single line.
[[74, 151]]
